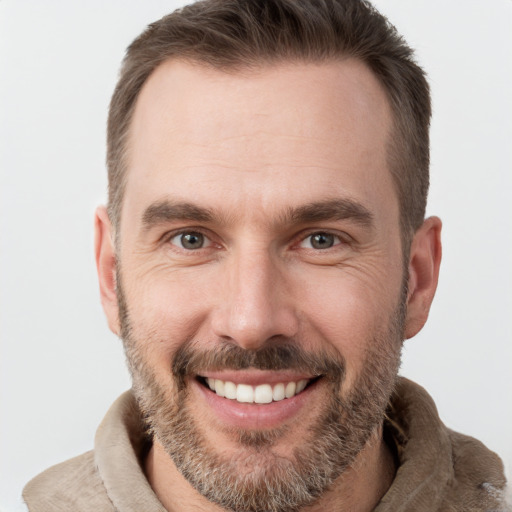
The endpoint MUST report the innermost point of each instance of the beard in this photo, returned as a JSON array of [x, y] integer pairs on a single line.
[[256, 478]]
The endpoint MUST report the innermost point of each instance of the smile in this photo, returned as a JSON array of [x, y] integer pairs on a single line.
[[255, 399], [261, 394]]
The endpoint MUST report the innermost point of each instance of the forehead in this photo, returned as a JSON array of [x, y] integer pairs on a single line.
[[309, 129]]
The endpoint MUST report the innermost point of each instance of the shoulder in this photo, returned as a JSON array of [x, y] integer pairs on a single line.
[[438, 469], [479, 477], [72, 485]]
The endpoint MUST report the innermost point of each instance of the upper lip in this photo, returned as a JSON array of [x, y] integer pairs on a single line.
[[255, 377]]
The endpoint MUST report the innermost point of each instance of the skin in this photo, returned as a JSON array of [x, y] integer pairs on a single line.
[[251, 146]]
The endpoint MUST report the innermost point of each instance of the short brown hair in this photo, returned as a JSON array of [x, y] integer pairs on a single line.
[[231, 34]]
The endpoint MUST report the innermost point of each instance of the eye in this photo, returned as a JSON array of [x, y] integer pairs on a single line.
[[320, 241], [190, 240]]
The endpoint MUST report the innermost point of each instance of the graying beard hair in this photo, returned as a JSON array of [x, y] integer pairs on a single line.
[[258, 480]]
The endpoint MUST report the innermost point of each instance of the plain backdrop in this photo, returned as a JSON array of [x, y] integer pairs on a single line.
[[61, 368]]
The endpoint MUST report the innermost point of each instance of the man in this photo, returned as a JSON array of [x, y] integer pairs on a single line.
[[263, 256]]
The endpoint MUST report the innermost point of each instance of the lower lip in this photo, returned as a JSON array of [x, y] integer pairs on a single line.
[[255, 416]]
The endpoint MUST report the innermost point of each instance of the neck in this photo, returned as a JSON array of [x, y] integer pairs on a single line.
[[359, 489], [362, 486]]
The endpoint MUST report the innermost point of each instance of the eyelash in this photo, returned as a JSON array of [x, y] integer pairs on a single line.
[[169, 237], [340, 239]]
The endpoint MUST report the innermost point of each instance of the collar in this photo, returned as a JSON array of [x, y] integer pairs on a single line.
[[436, 467]]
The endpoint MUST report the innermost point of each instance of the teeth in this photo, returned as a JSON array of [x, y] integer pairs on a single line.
[[230, 390], [244, 393], [301, 385], [290, 389], [219, 387], [278, 392], [262, 394]]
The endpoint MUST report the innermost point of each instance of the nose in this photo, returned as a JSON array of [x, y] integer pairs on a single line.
[[255, 303]]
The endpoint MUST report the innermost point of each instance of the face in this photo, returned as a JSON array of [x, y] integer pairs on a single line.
[[260, 277]]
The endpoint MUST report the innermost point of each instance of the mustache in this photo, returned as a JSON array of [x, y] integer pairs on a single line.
[[191, 361]]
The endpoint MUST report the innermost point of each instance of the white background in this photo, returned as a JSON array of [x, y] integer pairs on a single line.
[[60, 367]]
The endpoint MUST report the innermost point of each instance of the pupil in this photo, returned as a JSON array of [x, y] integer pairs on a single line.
[[192, 240], [322, 241]]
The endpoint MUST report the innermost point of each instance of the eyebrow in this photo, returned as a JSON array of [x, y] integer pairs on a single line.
[[333, 209], [165, 211]]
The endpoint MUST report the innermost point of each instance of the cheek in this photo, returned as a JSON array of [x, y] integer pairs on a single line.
[[165, 310], [349, 313]]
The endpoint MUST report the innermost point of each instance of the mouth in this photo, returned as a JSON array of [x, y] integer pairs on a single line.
[[262, 393], [253, 399]]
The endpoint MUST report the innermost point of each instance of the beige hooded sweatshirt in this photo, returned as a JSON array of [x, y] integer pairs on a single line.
[[438, 470]]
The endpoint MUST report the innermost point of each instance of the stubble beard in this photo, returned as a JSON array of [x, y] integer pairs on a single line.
[[257, 478]]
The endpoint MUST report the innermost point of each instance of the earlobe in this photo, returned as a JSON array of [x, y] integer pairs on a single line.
[[424, 263], [106, 267]]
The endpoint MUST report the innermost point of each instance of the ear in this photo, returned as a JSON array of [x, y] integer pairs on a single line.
[[424, 262], [106, 266]]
